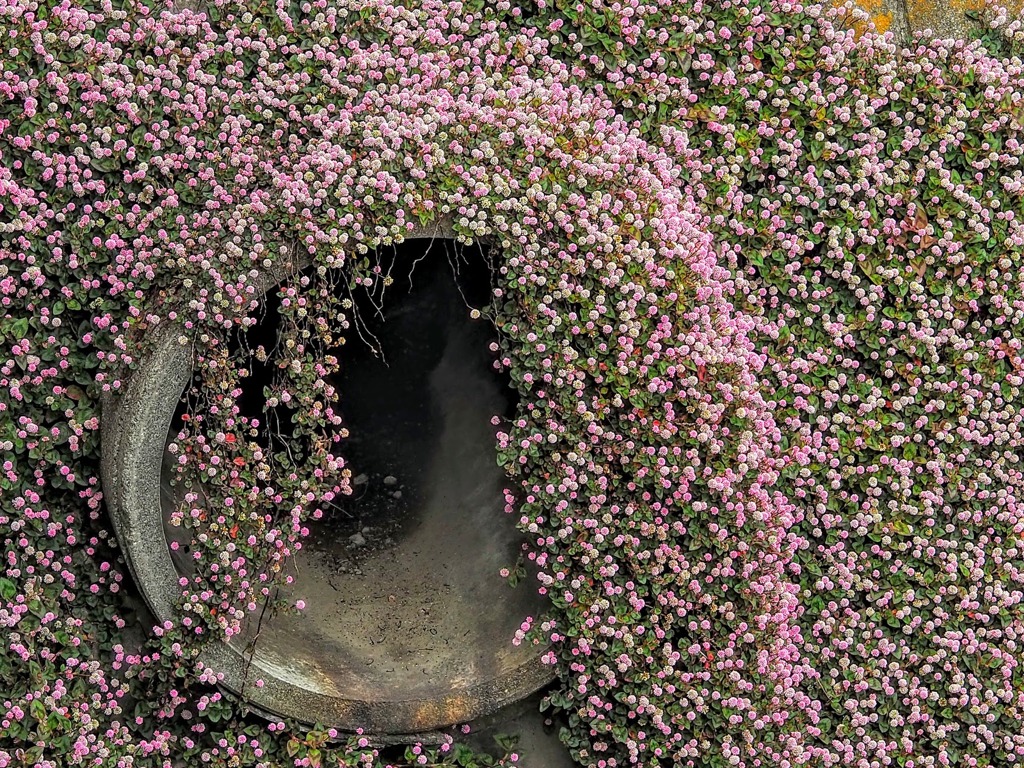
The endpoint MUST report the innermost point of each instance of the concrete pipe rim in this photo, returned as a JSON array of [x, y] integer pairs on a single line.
[[131, 458]]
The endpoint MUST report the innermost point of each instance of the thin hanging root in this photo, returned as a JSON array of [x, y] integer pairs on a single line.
[[421, 258], [357, 321], [455, 268]]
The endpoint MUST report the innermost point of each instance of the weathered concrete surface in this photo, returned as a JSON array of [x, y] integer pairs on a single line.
[[937, 18], [886, 16], [296, 683], [948, 18]]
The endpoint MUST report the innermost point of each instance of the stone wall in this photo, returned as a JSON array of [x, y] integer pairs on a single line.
[[945, 18]]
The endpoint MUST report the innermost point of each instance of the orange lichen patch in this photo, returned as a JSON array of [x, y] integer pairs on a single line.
[[933, 8], [879, 11]]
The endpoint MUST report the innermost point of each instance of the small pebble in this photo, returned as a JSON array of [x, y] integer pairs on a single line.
[[360, 480], [397, 494], [357, 540], [390, 480]]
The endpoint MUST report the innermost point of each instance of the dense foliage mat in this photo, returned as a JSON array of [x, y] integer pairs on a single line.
[[759, 291]]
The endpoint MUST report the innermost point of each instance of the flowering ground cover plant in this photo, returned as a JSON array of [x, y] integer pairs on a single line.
[[868, 206], [759, 294]]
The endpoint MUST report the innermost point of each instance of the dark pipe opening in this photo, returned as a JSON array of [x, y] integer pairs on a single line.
[[394, 416], [435, 285], [401, 579]]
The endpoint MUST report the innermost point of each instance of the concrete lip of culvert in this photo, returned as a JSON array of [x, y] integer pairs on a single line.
[[408, 625]]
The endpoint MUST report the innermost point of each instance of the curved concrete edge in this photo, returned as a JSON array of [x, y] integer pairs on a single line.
[[411, 716], [131, 459], [134, 426]]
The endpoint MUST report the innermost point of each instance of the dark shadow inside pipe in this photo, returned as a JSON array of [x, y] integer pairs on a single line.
[[401, 578]]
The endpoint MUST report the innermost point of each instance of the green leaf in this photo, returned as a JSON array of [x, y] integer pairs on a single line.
[[8, 589], [105, 164], [902, 528], [38, 710], [506, 741], [19, 328]]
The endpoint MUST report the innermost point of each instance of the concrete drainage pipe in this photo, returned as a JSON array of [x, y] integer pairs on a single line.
[[322, 666]]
